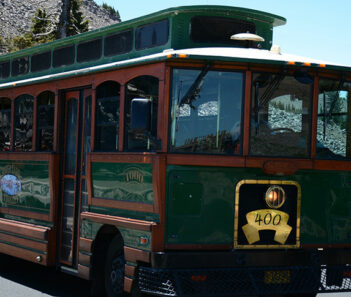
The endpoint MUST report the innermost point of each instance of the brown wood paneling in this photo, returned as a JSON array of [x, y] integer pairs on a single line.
[[128, 284], [35, 121], [332, 165], [205, 160], [74, 82], [164, 111], [22, 253], [14, 156], [33, 89], [84, 259], [121, 118], [260, 162], [12, 145], [56, 122], [129, 270], [135, 255], [25, 214], [118, 221], [159, 187], [314, 118], [135, 206], [121, 157], [85, 244], [27, 230], [247, 109], [36, 245], [84, 272], [54, 179]]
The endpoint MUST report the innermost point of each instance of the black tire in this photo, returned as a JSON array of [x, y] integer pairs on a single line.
[[114, 268]]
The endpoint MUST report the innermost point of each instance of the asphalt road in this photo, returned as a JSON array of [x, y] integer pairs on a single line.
[[23, 279]]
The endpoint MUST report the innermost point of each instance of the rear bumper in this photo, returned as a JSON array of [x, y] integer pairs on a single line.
[[236, 274]]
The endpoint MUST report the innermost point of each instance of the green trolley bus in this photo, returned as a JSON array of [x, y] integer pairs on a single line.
[[179, 154]]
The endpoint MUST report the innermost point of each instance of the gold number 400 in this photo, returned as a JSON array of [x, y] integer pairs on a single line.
[[268, 219]]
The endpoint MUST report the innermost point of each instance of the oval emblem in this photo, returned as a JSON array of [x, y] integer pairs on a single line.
[[10, 184]]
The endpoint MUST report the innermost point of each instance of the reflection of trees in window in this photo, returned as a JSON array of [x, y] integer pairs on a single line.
[[23, 123], [5, 124], [107, 116], [334, 119], [45, 121], [206, 111], [141, 87]]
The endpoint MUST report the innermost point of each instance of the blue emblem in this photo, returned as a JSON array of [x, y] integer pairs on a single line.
[[10, 184]]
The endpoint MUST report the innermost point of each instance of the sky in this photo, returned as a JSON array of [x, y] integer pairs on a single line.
[[318, 29]]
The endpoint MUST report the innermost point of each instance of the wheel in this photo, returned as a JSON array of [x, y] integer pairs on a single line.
[[114, 268]]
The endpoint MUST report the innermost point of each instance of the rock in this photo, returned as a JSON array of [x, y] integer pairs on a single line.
[[16, 15]]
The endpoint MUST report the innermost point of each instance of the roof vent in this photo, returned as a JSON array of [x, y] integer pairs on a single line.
[[276, 49], [247, 36]]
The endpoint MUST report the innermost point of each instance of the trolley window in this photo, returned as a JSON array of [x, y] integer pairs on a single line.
[[23, 123], [206, 111], [41, 61], [5, 124], [281, 115], [334, 120], [89, 51], [107, 117], [141, 87], [45, 121], [218, 29], [63, 56], [4, 69], [20, 66], [119, 43], [152, 35]]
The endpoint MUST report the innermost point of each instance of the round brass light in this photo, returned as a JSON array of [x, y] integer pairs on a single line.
[[275, 197]]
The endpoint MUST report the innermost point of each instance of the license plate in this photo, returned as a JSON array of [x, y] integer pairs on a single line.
[[277, 277]]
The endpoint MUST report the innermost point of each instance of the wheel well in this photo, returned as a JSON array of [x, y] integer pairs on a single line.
[[99, 249]]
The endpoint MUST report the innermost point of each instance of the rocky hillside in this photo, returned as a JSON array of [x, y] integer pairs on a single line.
[[16, 15]]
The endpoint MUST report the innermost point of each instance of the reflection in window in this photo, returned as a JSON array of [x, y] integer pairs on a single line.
[[107, 117], [45, 121], [118, 43], [141, 87], [152, 35], [206, 111], [23, 123], [280, 117], [211, 29], [20, 66], [334, 120], [4, 69], [5, 124]]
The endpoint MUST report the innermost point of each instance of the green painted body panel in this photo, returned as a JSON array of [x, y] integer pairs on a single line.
[[131, 237], [179, 35], [123, 182], [200, 204], [35, 187]]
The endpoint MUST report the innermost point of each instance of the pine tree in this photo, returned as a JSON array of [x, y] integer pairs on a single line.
[[71, 19], [43, 28]]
